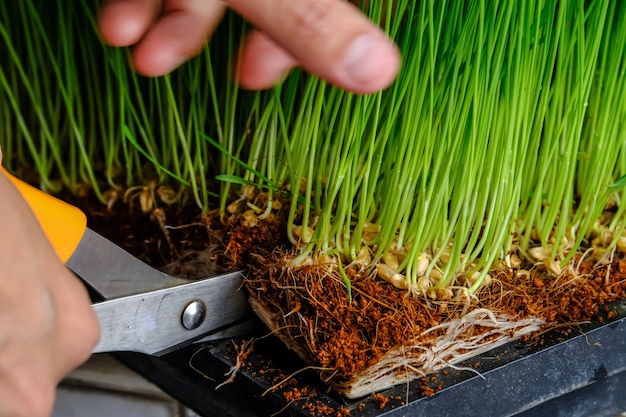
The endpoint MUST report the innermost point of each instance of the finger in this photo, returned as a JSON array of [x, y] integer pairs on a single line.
[[329, 38], [180, 34], [124, 22], [262, 62]]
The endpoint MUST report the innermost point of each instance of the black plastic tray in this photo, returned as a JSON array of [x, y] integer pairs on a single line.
[[582, 373]]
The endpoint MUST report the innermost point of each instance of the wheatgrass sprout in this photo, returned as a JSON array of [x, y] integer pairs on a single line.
[[503, 131], [558, 152], [25, 91], [73, 109], [604, 134], [59, 102]]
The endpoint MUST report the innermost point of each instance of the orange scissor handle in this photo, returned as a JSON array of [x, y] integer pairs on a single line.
[[63, 224]]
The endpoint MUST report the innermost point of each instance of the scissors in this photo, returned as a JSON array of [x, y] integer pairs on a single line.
[[144, 310]]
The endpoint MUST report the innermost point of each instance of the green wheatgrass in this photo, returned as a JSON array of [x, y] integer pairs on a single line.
[[504, 130]]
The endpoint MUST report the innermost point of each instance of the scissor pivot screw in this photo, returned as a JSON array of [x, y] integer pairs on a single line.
[[194, 315]]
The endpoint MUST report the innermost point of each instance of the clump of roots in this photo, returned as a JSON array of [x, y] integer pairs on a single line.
[[368, 335], [377, 335], [457, 340]]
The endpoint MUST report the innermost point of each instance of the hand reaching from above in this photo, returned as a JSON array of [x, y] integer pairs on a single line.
[[329, 38]]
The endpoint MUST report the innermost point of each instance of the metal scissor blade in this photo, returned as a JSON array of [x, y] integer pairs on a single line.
[[157, 321], [112, 271]]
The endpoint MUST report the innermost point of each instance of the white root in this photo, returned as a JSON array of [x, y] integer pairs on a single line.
[[452, 347], [242, 352]]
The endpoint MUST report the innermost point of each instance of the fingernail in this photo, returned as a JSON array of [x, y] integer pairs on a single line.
[[371, 60]]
